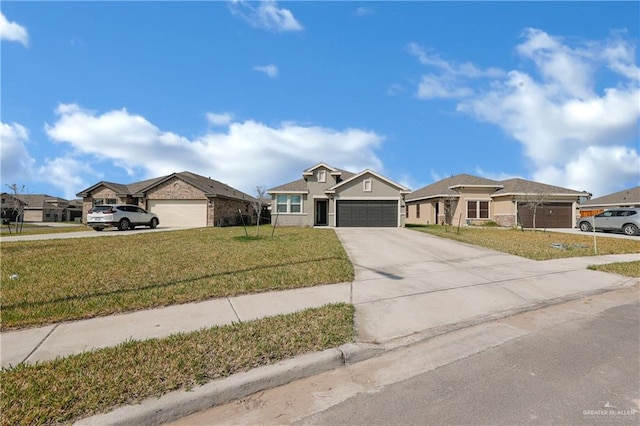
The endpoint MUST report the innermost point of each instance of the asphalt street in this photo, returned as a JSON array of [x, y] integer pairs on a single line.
[[573, 363], [583, 372]]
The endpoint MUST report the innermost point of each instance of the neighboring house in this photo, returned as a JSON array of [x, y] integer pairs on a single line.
[[48, 208], [471, 200], [626, 198], [10, 207], [179, 199], [327, 196]]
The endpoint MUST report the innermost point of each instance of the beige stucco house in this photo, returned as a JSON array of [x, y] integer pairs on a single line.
[[179, 199], [626, 198], [328, 196], [471, 200]]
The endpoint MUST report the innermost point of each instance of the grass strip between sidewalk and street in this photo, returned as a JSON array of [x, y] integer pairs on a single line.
[[67, 389], [628, 269], [28, 229], [49, 281], [537, 245]]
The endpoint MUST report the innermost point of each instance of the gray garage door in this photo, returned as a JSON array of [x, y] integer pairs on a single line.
[[556, 215], [363, 213]]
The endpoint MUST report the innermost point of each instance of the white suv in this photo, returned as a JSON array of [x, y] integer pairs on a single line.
[[124, 216]]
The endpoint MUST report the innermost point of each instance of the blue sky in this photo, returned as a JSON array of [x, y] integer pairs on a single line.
[[252, 93]]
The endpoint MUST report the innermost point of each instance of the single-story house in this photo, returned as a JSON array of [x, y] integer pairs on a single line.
[[626, 198], [10, 207], [328, 196], [48, 208], [471, 200], [179, 199]]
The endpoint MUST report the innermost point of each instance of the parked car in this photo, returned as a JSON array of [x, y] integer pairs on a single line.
[[124, 216], [625, 219]]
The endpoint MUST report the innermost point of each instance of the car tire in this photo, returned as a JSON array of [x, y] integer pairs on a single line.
[[630, 229], [585, 226], [124, 224], [154, 223]]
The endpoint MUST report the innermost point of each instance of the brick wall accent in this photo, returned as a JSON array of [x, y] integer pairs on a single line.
[[508, 220], [225, 212], [176, 189]]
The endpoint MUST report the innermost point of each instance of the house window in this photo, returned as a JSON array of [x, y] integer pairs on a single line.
[[417, 211], [366, 185], [281, 203], [289, 203], [477, 210], [296, 204], [322, 175]]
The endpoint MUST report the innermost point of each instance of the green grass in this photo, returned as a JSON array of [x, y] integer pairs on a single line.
[[629, 269], [71, 279], [66, 389], [536, 245], [29, 229]]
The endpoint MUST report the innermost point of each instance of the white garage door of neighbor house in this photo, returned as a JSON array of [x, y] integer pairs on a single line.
[[180, 212]]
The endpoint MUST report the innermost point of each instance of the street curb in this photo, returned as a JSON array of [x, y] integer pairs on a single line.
[[178, 404]]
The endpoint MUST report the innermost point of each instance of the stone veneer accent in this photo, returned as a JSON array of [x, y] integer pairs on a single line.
[[506, 220]]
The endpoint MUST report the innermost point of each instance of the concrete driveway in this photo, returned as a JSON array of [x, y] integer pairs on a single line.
[[407, 282]]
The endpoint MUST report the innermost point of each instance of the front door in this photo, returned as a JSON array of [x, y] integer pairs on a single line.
[[321, 213]]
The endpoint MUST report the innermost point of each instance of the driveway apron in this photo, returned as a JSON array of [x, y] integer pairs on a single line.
[[407, 282]]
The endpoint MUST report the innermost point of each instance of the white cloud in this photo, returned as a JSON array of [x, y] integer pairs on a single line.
[[222, 119], [12, 31], [395, 89], [246, 154], [451, 80], [575, 127], [17, 163], [67, 174], [432, 87], [270, 70], [266, 15], [363, 11]]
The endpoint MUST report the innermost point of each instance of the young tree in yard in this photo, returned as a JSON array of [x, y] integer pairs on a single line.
[[261, 193], [450, 202], [534, 200], [16, 207]]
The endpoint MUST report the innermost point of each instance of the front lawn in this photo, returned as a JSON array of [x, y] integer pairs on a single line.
[[629, 269], [538, 245], [66, 389], [69, 279]]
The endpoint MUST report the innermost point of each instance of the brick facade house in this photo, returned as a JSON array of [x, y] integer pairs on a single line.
[[179, 199]]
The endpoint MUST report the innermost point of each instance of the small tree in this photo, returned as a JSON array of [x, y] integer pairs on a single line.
[[261, 193], [16, 207], [533, 200], [450, 202]]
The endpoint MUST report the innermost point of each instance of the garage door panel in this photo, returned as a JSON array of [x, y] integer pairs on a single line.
[[367, 213], [556, 215], [180, 212]]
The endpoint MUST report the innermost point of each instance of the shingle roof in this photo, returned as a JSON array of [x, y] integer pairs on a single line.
[[503, 187], [210, 187], [523, 186], [442, 187], [300, 185], [39, 201], [627, 196], [297, 185]]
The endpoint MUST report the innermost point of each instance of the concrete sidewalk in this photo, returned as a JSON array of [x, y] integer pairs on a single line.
[[408, 286]]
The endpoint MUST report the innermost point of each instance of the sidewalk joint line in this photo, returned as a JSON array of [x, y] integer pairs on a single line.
[[234, 309], [40, 343]]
